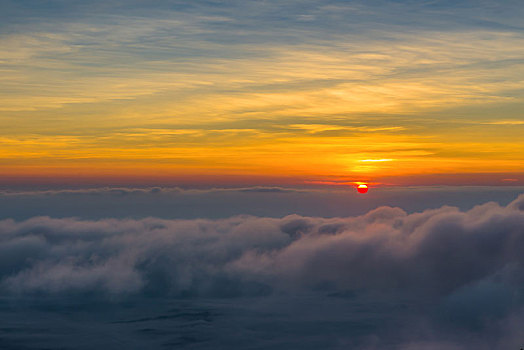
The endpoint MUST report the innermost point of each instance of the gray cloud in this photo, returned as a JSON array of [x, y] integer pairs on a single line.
[[436, 251], [459, 272], [214, 203]]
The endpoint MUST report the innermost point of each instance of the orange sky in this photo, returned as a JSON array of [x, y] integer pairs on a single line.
[[151, 97]]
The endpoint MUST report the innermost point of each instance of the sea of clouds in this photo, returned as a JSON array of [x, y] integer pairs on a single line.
[[458, 273]]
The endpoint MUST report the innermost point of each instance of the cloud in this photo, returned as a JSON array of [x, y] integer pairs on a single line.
[[459, 272], [241, 76], [215, 203], [435, 252], [123, 191]]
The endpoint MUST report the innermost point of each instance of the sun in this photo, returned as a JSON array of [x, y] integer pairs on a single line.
[[362, 188]]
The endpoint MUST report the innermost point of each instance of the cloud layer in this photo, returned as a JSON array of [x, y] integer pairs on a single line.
[[217, 203], [433, 252], [459, 272]]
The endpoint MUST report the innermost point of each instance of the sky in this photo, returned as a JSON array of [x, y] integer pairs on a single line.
[[181, 174], [292, 92]]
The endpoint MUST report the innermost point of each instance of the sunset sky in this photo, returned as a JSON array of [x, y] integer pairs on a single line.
[[184, 174], [290, 92]]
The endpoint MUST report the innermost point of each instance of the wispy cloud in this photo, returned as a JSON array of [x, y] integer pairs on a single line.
[[505, 122], [376, 160], [152, 82]]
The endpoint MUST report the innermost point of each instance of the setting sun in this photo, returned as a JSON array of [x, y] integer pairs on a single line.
[[362, 188]]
